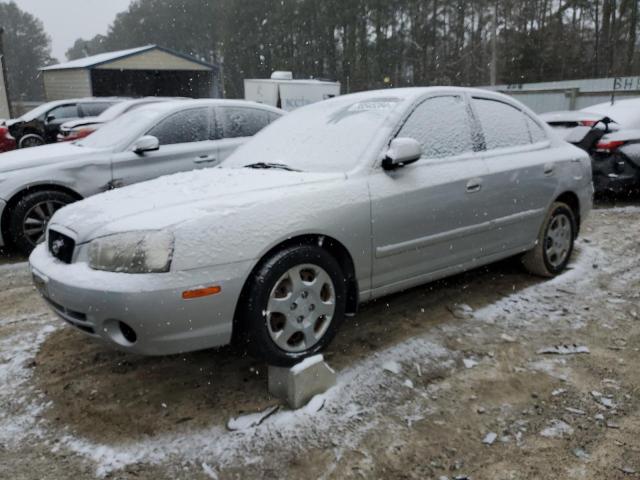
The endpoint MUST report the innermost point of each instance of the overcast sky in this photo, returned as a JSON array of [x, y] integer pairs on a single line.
[[67, 20]]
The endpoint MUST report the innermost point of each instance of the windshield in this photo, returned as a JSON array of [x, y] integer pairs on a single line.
[[324, 137], [37, 112], [122, 129]]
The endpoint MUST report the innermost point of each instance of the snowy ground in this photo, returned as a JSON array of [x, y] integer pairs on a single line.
[[443, 381]]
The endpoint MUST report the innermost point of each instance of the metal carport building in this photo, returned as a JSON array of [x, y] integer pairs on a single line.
[[138, 72]]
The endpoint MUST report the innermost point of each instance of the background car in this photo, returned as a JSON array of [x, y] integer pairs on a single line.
[[7, 142], [82, 127], [42, 124], [616, 157], [145, 143], [337, 203]]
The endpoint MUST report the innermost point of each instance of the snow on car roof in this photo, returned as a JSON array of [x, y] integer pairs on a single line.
[[624, 112]]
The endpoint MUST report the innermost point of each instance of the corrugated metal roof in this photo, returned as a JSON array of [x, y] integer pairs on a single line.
[[103, 58], [94, 60]]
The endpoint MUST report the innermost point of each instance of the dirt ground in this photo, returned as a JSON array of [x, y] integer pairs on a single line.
[[442, 381]]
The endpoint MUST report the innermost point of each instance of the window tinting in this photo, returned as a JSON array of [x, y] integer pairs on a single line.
[[64, 111], [441, 125], [502, 125], [234, 122], [94, 109], [183, 127]]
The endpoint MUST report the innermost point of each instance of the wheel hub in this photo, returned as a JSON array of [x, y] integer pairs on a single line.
[[300, 308]]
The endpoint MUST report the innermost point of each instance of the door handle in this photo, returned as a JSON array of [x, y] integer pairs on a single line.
[[205, 159], [474, 185], [549, 168]]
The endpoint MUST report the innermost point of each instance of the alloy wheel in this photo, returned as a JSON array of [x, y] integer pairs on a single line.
[[301, 307], [37, 218], [558, 240]]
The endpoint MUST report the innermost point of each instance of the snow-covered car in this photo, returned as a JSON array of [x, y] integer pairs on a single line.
[[41, 125], [616, 157], [83, 127], [337, 203], [150, 141]]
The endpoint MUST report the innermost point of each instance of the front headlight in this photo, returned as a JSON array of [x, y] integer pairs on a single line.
[[132, 252]]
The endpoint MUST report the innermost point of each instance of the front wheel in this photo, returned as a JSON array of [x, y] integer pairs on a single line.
[[553, 250], [293, 305], [31, 140], [29, 218]]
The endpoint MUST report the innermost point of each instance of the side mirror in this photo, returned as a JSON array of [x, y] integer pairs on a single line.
[[50, 118], [402, 151], [147, 143]]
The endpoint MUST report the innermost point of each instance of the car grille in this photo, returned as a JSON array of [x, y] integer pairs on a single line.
[[61, 246]]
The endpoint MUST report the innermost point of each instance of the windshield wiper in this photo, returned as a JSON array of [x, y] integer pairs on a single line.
[[266, 166]]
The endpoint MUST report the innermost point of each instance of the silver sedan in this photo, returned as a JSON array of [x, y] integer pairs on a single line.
[[146, 143], [336, 204]]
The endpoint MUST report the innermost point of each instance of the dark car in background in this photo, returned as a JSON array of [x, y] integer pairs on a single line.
[[42, 124], [82, 127]]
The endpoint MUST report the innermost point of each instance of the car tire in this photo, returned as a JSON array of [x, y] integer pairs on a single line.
[[292, 306], [31, 140], [555, 243], [30, 216]]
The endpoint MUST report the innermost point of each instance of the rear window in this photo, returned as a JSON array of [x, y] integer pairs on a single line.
[[503, 126]]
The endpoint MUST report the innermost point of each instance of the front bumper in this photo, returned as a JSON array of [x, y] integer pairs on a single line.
[[98, 303]]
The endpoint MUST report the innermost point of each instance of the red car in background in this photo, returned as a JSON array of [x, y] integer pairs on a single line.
[[82, 127], [7, 142]]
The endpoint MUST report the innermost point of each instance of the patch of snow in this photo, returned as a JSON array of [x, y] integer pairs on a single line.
[[392, 366], [306, 363], [557, 429], [469, 362], [490, 438]]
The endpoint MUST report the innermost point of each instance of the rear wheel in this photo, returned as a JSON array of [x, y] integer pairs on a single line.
[[555, 244], [293, 305], [29, 218], [31, 140]]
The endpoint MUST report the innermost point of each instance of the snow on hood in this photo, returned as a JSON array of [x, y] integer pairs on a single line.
[[624, 135], [177, 198], [39, 156]]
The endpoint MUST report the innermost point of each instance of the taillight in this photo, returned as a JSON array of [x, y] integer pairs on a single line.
[[608, 145], [587, 123], [78, 134]]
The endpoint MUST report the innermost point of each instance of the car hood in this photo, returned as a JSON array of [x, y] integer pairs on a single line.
[[171, 200], [39, 156], [624, 135]]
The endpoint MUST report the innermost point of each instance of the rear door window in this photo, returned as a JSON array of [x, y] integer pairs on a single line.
[[503, 126], [235, 122], [183, 127], [442, 126]]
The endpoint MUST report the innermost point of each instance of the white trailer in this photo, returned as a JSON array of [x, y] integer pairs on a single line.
[[282, 91]]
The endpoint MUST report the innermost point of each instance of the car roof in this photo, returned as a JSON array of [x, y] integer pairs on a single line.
[[172, 105], [623, 112]]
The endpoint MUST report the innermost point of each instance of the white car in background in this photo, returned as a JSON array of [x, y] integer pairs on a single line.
[[82, 127], [149, 142], [616, 156]]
